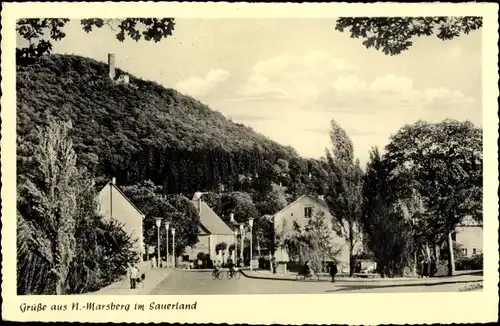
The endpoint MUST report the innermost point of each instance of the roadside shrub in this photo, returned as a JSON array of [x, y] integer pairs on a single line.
[[469, 263], [104, 250], [442, 268], [264, 263], [294, 267]]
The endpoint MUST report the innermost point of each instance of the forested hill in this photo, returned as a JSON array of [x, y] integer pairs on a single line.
[[142, 130]]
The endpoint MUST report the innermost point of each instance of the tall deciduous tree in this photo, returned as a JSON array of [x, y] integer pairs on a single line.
[[441, 163], [177, 209], [388, 236], [344, 196], [41, 33], [392, 35], [50, 199], [322, 234]]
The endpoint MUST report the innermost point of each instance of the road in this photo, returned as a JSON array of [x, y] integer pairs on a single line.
[[200, 282]]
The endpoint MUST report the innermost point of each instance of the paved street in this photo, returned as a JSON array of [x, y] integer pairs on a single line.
[[200, 282]]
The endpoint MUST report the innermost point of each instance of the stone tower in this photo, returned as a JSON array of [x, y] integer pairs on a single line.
[[111, 65]]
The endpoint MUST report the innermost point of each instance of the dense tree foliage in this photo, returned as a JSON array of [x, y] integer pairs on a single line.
[[177, 209], [392, 35], [41, 33], [345, 183], [389, 236], [62, 245], [428, 181], [313, 243], [442, 164], [49, 198], [143, 131]]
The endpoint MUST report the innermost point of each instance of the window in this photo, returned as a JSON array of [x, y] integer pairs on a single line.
[[464, 251], [473, 251], [308, 212]]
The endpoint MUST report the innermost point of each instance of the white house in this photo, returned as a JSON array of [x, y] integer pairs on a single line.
[[113, 204], [469, 234], [212, 231], [300, 211]]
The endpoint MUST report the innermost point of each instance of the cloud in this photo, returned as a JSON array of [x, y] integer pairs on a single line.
[[390, 83], [348, 83], [197, 86], [396, 100], [292, 76], [258, 86], [442, 103], [436, 95]]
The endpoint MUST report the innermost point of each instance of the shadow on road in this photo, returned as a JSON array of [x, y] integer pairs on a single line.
[[368, 287]]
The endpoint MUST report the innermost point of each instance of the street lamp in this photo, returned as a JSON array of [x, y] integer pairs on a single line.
[[250, 223], [235, 251], [241, 249], [158, 224], [173, 247], [167, 226]]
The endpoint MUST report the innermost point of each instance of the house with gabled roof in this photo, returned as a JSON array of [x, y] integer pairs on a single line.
[[212, 231], [113, 204], [300, 212]]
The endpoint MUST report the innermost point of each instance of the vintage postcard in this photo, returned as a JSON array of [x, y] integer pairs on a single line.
[[250, 163]]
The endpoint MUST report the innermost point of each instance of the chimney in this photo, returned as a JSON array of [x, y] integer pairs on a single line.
[[321, 197], [111, 65], [113, 181]]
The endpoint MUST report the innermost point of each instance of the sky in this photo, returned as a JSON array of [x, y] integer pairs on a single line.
[[288, 78]]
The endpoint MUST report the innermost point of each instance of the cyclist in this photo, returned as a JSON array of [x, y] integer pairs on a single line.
[[217, 266], [231, 266], [307, 269]]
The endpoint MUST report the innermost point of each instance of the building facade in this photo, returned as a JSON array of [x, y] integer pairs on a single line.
[[301, 211], [113, 204], [469, 235], [212, 231]]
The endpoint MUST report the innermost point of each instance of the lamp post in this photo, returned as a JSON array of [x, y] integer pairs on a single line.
[[158, 224], [173, 247], [235, 251], [167, 226], [250, 223], [235, 240], [241, 249]]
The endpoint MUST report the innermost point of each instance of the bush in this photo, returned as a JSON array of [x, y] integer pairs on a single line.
[[469, 263], [294, 267], [264, 263]]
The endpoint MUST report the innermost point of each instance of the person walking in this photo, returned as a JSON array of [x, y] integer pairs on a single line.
[[333, 270], [133, 274]]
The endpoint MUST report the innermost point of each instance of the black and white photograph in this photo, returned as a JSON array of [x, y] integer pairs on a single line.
[[249, 156]]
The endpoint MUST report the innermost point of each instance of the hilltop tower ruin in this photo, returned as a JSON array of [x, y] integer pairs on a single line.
[[123, 78], [111, 66]]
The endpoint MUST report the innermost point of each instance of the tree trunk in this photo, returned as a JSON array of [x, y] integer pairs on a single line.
[[351, 261], [414, 272], [351, 250], [451, 259], [60, 286]]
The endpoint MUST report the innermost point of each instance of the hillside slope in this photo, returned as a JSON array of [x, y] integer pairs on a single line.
[[138, 131]]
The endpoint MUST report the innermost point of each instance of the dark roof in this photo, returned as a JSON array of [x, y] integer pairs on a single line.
[[209, 220]]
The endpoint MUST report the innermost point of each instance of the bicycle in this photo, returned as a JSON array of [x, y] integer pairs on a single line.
[[236, 274], [217, 274]]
